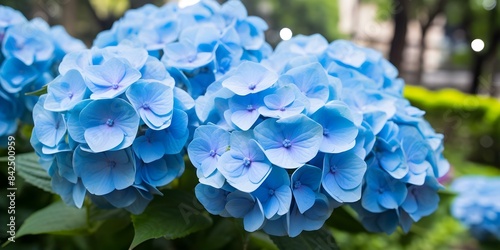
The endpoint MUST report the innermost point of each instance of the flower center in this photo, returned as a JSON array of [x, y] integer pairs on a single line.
[[297, 184], [271, 192], [110, 122], [70, 95], [250, 107], [252, 86], [246, 162], [212, 153], [325, 132], [111, 164], [145, 106], [191, 58], [282, 109], [333, 169], [287, 143], [115, 86]]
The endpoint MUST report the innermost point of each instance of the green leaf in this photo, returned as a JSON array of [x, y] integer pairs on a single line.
[[57, 218], [174, 215], [221, 234], [316, 240], [344, 218], [27, 167], [39, 92], [262, 240]]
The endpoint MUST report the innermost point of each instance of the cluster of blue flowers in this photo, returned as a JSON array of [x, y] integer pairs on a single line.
[[198, 43], [30, 50], [112, 125], [315, 126], [279, 139], [477, 205]]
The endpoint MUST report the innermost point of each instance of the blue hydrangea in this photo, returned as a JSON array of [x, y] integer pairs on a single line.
[[30, 50], [112, 127], [200, 43], [312, 127], [279, 139], [477, 205]]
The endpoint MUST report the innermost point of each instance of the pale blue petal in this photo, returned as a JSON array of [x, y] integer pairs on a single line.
[[339, 130], [394, 164], [176, 135], [254, 219], [114, 116], [346, 53], [370, 202], [163, 171], [79, 192], [350, 169], [239, 204], [216, 179], [308, 175], [230, 166], [209, 165], [15, 75], [148, 149], [182, 100], [77, 60], [122, 198], [250, 78], [102, 173], [111, 78], [103, 138], [258, 171], [136, 57], [295, 222], [276, 227], [304, 197], [198, 151], [303, 134], [244, 119], [65, 92], [271, 207], [153, 69], [50, 127], [213, 199]]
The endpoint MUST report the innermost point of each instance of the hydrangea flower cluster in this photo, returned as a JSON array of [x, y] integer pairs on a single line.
[[30, 50], [198, 44], [477, 205], [315, 126], [112, 125], [279, 139]]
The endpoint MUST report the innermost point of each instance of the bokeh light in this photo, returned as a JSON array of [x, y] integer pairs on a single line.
[[477, 45], [286, 34]]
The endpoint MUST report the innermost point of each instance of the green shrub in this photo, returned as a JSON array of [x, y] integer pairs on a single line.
[[470, 123]]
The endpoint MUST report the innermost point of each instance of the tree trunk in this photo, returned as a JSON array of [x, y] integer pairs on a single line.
[[424, 28], [421, 56], [485, 55], [476, 73], [493, 89], [69, 15], [398, 42]]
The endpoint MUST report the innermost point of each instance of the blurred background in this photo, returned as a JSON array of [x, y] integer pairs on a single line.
[[448, 52]]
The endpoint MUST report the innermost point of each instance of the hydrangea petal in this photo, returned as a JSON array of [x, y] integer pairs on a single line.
[[250, 78]]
